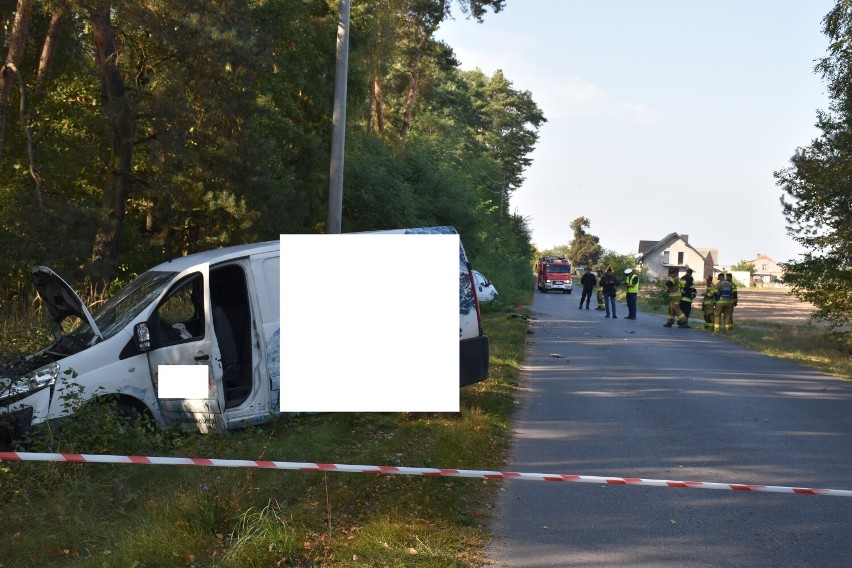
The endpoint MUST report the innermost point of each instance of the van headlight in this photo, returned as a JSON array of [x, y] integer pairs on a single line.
[[15, 390]]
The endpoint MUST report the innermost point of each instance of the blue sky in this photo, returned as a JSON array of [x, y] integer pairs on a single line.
[[663, 116]]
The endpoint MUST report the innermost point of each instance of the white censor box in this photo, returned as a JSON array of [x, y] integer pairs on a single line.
[[370, 322], [182, 381]]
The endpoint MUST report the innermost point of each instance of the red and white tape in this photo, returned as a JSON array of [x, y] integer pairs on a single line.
[[418, 471]]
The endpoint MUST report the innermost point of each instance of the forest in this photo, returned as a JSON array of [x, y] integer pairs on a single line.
[[132, 132]]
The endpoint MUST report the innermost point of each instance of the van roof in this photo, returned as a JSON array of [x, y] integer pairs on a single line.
[[216, 255], [237, 251]]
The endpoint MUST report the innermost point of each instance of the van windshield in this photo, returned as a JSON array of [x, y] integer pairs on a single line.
[[124, 305]]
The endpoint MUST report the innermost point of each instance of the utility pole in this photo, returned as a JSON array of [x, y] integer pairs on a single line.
[[338, 132]]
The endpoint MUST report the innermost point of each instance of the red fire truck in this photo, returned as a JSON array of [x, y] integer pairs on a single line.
[[554, 273]]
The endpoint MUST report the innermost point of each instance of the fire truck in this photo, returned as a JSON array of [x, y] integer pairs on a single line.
[[554, 273]]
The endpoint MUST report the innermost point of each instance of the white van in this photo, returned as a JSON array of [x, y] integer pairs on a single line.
[[218, 308]]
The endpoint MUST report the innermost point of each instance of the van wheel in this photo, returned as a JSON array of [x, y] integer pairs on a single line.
[[133, 414]]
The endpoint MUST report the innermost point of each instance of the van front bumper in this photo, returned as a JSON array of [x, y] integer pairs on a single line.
[[473, 360], [17, 417]]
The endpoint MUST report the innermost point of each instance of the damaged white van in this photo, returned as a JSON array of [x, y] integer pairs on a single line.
[[218, 308]]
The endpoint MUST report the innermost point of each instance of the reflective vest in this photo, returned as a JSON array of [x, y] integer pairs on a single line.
[[632, 283], [673, 288], [724, 292], [685, 291], [710, 295]]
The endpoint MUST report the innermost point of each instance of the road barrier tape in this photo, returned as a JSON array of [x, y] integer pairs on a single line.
[[417, 471]]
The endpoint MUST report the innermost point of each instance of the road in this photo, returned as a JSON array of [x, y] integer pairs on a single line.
[[629, 398]]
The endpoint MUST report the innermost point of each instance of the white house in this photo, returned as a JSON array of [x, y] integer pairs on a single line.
[[766, 270], [673, 255]]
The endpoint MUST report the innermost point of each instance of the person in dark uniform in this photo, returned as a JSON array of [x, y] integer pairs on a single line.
[[610, 283], [687, 293], [588, 282]]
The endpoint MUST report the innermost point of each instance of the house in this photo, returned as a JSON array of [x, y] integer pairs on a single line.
[[766, 270], [673, 255]]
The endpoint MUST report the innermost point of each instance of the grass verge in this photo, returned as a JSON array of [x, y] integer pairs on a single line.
[[806, 344], [99, 515]]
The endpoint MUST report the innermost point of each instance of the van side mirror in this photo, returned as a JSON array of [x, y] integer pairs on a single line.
[[142, 337]]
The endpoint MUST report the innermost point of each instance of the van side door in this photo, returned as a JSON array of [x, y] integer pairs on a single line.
[[182, 333]]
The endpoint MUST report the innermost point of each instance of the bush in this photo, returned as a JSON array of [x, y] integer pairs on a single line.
[[655, 295]]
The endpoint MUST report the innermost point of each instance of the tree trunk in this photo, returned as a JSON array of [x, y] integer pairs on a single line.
[[13, 59], [380, 113], [122, 130], [438, 13], [408, 116], [29, 115], [48, 50]]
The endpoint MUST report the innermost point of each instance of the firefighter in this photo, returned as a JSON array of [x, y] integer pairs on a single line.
[[599, 289], [688, 293], [709, 303], [730, 278], [723, 318], [675, 313]]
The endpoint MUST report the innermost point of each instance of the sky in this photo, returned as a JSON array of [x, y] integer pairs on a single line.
[[662, 116]]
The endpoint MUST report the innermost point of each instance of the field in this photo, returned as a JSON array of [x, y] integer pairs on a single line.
[[771, 304]]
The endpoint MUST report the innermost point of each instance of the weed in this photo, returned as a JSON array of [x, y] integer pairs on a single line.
[[654, 297], [262, 537]]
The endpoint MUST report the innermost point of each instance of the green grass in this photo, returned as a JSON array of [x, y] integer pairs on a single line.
[[807, 345], [99, 515]]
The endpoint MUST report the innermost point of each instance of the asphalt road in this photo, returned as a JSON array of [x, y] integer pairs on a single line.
[[634, 399]]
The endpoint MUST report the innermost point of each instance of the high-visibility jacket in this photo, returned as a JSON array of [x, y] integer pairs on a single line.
[[632, 282], [724, 292], [709, 296], [673, 288], [686, 288]]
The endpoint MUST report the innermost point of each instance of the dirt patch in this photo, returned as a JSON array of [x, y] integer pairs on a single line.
[[771, 304], [760, 304]]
